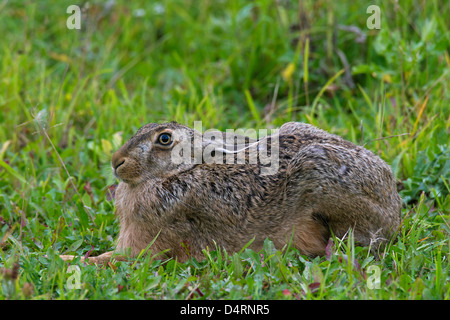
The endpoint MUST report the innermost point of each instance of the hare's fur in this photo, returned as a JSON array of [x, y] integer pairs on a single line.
[[323, 184]]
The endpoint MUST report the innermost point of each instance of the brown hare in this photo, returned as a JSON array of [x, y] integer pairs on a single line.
[[321, 184]]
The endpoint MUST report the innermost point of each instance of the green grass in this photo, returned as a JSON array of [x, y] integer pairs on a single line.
[[69, 98]]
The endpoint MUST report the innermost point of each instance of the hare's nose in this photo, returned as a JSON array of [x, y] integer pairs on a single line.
[[117, 161]]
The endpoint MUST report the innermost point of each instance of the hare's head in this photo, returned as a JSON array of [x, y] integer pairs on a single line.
[[153, 152], [161, 150]]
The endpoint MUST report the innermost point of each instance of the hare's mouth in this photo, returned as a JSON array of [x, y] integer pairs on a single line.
[[125, 177], [117, 174], [124, 180]]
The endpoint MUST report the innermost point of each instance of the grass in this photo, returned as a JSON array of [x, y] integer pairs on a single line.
[[69, 98]]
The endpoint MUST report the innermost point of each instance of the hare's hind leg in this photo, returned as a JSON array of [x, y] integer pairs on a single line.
[[311, 236]]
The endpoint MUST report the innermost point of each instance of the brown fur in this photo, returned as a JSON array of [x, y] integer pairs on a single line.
[[323, 184]]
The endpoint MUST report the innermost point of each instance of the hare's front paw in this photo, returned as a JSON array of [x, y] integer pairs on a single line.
[[70, 258], [99, 260]]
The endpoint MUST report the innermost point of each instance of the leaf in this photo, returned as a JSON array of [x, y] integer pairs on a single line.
[[59, 227], [107, 147], [329, 249], [417, 289], [87, 199], [252, 106], [237, 265], [316, 273], [286, 292], [86, 256], [88, 188], [12, 172], [59, 56], [367, 261], [117, 140], [329, 82], [305, 61], [429, 30], [419, 116], [111, 192], [201, 294], [314, 286], [386, 78], [74, 246], [4, 147], [288, 72]]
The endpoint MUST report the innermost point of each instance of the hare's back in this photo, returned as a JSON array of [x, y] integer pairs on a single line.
[[325, 161]]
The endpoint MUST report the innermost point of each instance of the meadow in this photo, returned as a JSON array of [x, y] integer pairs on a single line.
[[70, 97]]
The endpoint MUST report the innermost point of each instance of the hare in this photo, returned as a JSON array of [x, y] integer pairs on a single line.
[[322, 184]]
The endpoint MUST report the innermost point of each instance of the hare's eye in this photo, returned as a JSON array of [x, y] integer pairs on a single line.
[[165, 138]]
